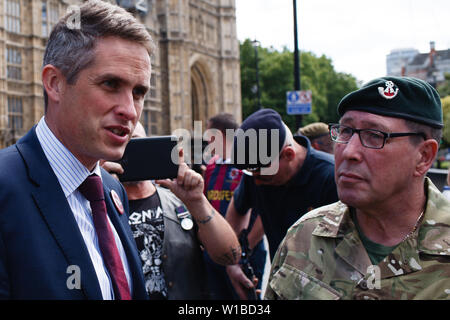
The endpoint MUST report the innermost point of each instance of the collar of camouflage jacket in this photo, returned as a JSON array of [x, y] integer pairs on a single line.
[[432, 237]]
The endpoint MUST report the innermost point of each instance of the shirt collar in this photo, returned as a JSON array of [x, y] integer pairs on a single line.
[[302, 177], [430, 238], [432, 234], [69, 171]]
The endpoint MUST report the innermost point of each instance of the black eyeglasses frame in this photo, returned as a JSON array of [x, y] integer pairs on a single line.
[[386, 135]]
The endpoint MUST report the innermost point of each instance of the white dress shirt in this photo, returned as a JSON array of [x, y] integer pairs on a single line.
[[71, 173]]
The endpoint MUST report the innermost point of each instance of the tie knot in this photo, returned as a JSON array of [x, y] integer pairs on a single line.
[[92, 188]]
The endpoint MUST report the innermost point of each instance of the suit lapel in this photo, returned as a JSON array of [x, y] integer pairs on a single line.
[[119, 221], [55, 210]]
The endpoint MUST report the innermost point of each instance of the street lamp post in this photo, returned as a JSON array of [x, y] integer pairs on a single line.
[[256, 44], [297, 86]]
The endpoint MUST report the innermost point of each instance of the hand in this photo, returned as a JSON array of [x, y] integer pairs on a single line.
[[113, 168], [239, 281], [188, 186]]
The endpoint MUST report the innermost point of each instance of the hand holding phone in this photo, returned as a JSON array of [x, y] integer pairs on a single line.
[[188, 185], [113, 168], [149, 158]]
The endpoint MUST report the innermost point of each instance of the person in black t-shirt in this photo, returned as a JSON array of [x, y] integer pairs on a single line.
[[221, 179], [171, 224], [147, 224], [296, 180]]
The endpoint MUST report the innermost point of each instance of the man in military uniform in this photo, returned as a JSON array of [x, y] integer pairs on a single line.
[[319, 136], [388, 236]]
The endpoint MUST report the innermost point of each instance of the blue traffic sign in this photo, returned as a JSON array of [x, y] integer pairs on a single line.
[[298, 102]]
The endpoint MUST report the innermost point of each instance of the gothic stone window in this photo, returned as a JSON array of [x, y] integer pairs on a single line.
[[12, 16], [13, 63], [149, 120], [15, 113], [49, 16], [153, 86]]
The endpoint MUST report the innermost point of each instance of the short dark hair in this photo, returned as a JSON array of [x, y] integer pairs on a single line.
[[430, 132], [72, 49], [223, 121]]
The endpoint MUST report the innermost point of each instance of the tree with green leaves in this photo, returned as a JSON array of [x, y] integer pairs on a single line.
[[276, 75], [444, 88], [446, 115], [444, 91]]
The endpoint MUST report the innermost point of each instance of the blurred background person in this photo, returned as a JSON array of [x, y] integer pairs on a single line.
[[221, 179], [319, 136], [304, 181], [446, 189]]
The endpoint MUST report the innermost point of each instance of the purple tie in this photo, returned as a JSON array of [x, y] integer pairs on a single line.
[[92, 190]]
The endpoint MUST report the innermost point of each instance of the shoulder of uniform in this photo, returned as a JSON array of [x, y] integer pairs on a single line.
[[322, 221], [320, 212], [434, 231], [317, 222]]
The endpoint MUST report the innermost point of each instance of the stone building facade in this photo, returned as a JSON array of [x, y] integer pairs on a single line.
[[429, 66], [195, 69]]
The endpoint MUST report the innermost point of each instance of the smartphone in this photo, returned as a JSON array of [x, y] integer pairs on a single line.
[[149, 158]]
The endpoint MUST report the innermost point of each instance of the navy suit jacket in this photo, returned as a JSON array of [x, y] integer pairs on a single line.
[[39, 237]]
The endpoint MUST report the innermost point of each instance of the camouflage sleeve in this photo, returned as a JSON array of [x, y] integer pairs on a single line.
[[278, 260]]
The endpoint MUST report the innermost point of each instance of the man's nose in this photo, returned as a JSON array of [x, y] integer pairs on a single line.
[[353, 148], [127, 106]]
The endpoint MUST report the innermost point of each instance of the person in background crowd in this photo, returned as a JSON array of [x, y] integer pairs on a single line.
[[319, 136], [446, 188], [304, 180], [448, 177], [221, 179], [170, 227], [387, 237]]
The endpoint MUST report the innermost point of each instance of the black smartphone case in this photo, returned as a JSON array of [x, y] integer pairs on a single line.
[[149, 158]]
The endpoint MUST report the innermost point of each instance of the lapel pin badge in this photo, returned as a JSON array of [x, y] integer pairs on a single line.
[[117, 201]]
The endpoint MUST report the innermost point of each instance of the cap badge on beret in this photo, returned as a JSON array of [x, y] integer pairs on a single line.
[[390, 91]]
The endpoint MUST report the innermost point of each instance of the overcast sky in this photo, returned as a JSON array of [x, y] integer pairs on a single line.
[[356, 34]]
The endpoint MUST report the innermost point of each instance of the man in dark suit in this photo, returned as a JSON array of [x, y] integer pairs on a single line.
[[95, 76]]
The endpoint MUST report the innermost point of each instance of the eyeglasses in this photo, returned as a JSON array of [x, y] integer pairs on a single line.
[[370, 138]]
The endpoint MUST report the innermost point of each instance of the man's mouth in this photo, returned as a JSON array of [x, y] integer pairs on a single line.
[[119, 131], [349, 177]]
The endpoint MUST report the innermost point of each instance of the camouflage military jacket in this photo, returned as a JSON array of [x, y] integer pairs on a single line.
[[322, 257]]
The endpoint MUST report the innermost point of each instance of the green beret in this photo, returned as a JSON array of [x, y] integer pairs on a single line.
[[314, 130], [400, 97]]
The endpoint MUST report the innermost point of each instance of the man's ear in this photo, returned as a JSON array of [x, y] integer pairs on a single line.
[[315, 145], [427, 153], [53, 82], [288, 153]]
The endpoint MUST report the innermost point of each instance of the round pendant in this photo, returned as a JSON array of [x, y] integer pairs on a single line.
[[187, 224]]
